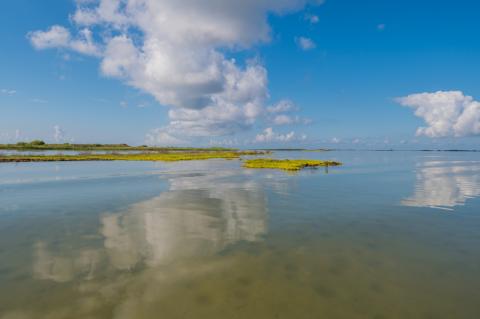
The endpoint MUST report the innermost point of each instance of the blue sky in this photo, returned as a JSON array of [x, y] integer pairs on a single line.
[[363, 74]]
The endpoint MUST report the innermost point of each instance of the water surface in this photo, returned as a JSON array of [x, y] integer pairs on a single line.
[[387, 235]]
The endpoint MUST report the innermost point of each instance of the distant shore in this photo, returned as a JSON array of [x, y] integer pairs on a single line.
[[39, 145], [148, 156]]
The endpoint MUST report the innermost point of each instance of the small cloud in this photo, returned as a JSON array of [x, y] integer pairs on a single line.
[[124, 104], [312, 18], [282, 107], [18, 134], [162, 137], [381, 27], [39, 101], [224, 142], [268, 135], [8, 92], [60, 37], [280, 114], [305, 43], [306, 121], [335, 140], [143, 105], [58, 134], [282, 119]]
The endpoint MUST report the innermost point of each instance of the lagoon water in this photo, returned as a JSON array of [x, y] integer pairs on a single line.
[[389, 235]]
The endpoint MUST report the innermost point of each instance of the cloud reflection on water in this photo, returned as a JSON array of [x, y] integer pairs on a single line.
[[198, 216], [444, 185], [201, 213]]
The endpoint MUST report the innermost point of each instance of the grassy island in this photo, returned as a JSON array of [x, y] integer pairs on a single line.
[[162, 156], [288, 165], [39, 145]]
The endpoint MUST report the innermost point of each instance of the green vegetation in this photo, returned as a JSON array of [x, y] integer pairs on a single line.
[[42, 146], [165, 156], [288, 165]]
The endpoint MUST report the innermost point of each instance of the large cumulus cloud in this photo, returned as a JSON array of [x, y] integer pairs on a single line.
[[446, 113], [176, 50]]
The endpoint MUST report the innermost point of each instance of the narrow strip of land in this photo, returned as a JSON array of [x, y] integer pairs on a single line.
[[163, 156], [39, 145], [288, 165]]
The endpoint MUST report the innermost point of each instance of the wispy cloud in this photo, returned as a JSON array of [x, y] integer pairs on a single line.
[[39, 101], [282, 107], [281, 114], [60, 37], [305, 43], [312, 18], [8, 92], [161, 136], [269, 136], [58, 134]]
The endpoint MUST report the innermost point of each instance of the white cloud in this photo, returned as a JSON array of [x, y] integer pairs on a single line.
[[162, 137], [60, 37], [8, 92], [226, 142], [313, 19], [56, 36], [18, 134], [58, 134], [283, 119], [446, 113], [305, 43], [174, 50], [268, 136], [282, 107], [85, 43]]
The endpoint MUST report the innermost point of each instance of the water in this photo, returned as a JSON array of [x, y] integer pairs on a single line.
[[388, 235]]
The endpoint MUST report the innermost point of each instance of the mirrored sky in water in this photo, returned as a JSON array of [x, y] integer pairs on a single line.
[[387, 235], [445, 184]]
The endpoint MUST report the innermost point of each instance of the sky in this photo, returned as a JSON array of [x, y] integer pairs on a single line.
[[256, 73]]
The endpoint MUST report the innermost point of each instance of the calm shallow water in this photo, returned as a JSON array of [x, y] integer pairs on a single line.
[[388, 235]]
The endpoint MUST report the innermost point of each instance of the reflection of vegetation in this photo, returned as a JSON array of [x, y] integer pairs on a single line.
[[41, 145], [289, 165], [164, 156]]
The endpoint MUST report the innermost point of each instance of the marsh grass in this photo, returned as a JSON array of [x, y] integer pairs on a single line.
[[42, 146], [288, 165], [164, 156]]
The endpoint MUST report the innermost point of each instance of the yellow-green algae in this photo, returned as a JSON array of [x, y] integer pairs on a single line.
[[286, 164], [166, 156]]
